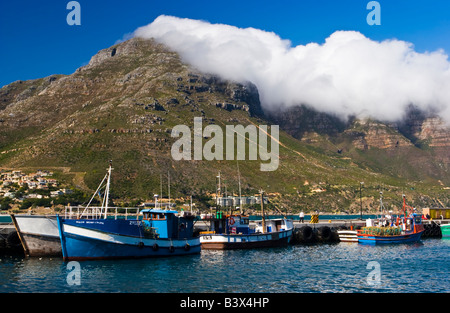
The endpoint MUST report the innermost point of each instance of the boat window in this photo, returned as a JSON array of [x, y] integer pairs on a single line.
[[417, 220], [244, 221], [154, 216]]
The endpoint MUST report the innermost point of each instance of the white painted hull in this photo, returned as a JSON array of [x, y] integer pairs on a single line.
[[238, 241], [348, 235], [39, 234]]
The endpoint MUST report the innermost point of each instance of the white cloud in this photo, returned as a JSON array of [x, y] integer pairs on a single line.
[[347, 75]]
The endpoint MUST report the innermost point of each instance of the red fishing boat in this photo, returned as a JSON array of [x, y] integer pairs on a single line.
[[408, 228]]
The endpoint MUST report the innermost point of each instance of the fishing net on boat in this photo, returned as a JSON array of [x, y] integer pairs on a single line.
[[381, 231]]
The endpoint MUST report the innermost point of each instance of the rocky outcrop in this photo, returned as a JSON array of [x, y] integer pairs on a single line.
[[299, 120], [434, 132], [368, 133]]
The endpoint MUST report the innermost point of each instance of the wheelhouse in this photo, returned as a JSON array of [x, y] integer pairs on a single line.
[[274, 225], [160, 223], [229, 224]]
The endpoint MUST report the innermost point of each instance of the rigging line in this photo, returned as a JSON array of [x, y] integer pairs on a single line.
[[92, 198]]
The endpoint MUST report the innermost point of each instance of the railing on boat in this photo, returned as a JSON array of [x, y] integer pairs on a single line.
[[76, 212]]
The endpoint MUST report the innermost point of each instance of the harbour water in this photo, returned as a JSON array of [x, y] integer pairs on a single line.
[[421, 267]]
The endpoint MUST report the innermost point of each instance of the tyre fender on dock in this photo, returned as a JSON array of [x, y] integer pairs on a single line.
[[2, 242], [13, 240], [305, 235], [324, 233]]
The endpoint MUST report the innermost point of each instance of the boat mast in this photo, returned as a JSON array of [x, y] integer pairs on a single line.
[[219, 190], [105, 200], [168, 183], [262, 211], [382, 208], [404, 206], [240, 196], [218, 194]]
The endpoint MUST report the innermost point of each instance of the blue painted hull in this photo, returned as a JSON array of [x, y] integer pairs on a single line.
[[369, 239], [101, 239]]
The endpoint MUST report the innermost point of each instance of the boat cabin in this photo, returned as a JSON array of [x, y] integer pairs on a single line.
[[274, 225], [414, 223], [394, 225], [230, 224], [159, 223]]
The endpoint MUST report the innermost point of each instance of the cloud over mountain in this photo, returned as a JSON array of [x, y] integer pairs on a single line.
[[349, 74]]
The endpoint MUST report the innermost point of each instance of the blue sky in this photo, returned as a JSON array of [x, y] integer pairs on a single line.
[[36, 40]]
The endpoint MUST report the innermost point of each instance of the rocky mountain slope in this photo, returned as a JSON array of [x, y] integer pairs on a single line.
[[125, 102]]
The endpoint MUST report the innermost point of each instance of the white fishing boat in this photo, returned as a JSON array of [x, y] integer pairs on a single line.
[[38, 234], [234, 232], [347, 235]]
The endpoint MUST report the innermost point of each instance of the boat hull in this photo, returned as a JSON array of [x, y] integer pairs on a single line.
[[371, 239], [89, 243], [38, 234], [445, 230], [348, 235], [250, 241]]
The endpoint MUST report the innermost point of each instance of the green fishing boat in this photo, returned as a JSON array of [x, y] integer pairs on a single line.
[[445, 229]]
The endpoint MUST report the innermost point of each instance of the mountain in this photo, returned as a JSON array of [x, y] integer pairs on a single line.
[[123, 105]]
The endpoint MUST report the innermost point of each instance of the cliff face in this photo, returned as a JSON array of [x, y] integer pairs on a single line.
[[371, 134], [417, 129], [415, 148], [435, 132], [301, 120]]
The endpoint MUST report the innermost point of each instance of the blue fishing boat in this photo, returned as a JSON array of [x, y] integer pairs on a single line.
[[406, 229], [156, 232]]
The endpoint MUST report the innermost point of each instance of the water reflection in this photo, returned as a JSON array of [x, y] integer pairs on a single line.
[[341, 267]]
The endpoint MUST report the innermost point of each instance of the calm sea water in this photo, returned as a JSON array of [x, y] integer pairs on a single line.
[[342, 267]]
